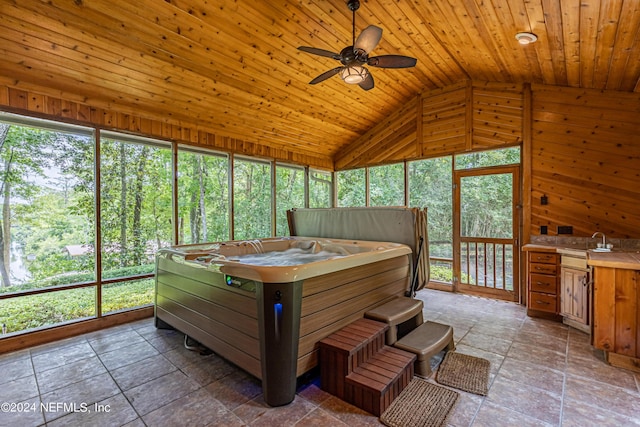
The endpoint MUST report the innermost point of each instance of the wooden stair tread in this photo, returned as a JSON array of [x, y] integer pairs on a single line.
[[379, 372]]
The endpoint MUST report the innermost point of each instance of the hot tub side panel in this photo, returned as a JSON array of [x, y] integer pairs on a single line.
[[332, 301], [199, 303]]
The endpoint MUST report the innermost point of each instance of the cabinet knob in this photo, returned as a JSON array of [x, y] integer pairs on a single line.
[[542, 302]]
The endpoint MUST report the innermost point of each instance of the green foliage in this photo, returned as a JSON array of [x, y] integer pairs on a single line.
[[320, 184], [444, 273], [479, 159], [203, 197], [252, 199], [483, 216], [351, 187], [35, 311], [386, 185], [430, 185], [289, 194]]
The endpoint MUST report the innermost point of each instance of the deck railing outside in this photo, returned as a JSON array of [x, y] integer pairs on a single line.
[[487, 262]]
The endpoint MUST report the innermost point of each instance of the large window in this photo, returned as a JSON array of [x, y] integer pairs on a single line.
[[289, 194], [386, 185], [352, 189], [47, 228], [136, 206], [320, 189], [430, 186], [51, 211], [488, 158], [203, 197], [251, 199]]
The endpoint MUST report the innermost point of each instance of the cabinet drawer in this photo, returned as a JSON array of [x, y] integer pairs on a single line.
[[543, 257], [535, 267], [542, 302], [542, 283]]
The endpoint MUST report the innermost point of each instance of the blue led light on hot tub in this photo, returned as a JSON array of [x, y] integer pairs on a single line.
[[277, 311], [228, 279]]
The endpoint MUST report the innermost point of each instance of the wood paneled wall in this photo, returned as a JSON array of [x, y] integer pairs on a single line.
[[586, 160], [392, 140], [584, 148], [29, 103], [463, 117]]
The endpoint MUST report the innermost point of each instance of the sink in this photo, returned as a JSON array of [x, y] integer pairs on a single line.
[[601, 250]]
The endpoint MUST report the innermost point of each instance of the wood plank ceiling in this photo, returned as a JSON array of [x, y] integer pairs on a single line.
[[233, 68]]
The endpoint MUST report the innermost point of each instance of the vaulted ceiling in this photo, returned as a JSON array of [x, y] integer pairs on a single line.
[[233, 67]]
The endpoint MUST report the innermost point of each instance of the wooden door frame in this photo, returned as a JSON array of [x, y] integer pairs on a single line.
[[515, 170]]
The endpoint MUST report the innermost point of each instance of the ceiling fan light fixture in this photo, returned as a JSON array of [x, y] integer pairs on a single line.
[[526, 38], [354, 74]]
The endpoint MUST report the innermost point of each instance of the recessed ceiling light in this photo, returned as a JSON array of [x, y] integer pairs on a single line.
[[526, 38]]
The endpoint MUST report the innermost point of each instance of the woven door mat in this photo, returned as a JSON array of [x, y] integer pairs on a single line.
[[421, 404], [465, 372]]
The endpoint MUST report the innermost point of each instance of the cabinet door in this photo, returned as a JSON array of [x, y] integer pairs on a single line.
[[574, 301]]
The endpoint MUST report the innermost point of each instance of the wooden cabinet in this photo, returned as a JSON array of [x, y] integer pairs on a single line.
[[543, 270], [574, 298], [616, 319]]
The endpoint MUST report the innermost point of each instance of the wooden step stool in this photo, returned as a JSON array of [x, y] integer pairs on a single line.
[[426, 341], [396, 312], [373, 385], [344, 350]]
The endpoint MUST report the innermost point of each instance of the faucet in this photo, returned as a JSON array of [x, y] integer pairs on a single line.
[[604, 239]]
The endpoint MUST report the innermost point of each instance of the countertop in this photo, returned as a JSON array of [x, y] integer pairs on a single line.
[[617, 258]]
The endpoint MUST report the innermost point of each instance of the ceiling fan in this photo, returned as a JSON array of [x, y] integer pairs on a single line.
[[355, 57]]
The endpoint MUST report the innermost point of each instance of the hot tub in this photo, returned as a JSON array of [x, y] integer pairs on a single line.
[[248, 302]]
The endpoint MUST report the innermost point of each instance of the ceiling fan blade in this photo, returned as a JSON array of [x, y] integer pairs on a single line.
[[367, 83], [324, 76], [320, 52], [392, 61], [368, 39]]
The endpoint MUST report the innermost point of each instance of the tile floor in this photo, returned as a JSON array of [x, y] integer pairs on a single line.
[[542, 374]]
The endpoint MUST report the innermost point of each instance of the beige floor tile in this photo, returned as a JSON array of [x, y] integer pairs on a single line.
[[538, 355], [485, 342], [127, 355], [142, 371], [236, 390], [533, 375], [320, 418], [492, 415], [14, 369], [349, 414], [115, 340], [204, 374], [465, 409], [156, 393], [528, 400], [19, 389], [610, 398], [542, 373], [70, 373], [196, 408], [599, 370], [277, 416], [25, 413], [538, 339], [74, 397], [579, 414], [113, 411], [61, 356]]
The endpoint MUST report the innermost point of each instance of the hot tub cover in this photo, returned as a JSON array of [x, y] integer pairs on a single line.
[[382, 224]]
